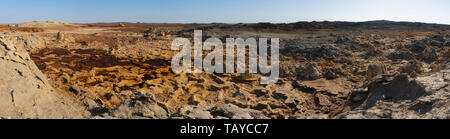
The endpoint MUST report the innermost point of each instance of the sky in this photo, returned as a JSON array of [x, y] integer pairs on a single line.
[[223, 11]]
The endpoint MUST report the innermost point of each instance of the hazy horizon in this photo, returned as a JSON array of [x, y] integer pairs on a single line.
[[224, 11], [217, 22]]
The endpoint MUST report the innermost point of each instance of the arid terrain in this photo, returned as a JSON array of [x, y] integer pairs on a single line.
[[328, 70]]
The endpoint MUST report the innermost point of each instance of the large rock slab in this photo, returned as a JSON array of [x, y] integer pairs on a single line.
[[24, 90], [425, 97]]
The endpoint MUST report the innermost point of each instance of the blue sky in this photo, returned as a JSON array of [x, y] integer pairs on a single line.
[[225, 11]]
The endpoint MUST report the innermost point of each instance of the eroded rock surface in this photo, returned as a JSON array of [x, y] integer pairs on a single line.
[[328, 70], [140, 106], [98, 75], [404, 97], [24, 90]]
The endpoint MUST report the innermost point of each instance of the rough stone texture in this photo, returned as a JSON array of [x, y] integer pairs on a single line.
[[309, 72], [321, 71], [227, 111], [412, 67], [60, 36], [235, 112], [140, 106], [24, 90], [423, 97], [202, 112], [375, 70]]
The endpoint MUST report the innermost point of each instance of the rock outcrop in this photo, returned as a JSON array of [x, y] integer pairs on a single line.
[[144, 106], [24, 90], [227, 111], [402, 97], [140, 106]]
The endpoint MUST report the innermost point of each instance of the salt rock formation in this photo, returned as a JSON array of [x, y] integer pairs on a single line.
[[227, 111], [144, 106], [24, 90], [139, 106], [402, 97]]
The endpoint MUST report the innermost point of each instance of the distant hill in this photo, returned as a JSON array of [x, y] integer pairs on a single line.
[[44, 24], [378, 24]]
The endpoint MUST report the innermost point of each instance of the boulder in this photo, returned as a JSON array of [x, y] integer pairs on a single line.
[[309, 72], [227, 111], [140, 106], [374, 70], [413, 67], [60, 36], [234, 112], [402, 54], [418, 46], [202, 112], [429, 54]]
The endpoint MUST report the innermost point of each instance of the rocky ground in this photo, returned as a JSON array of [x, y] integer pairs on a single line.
[[377, 69]]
